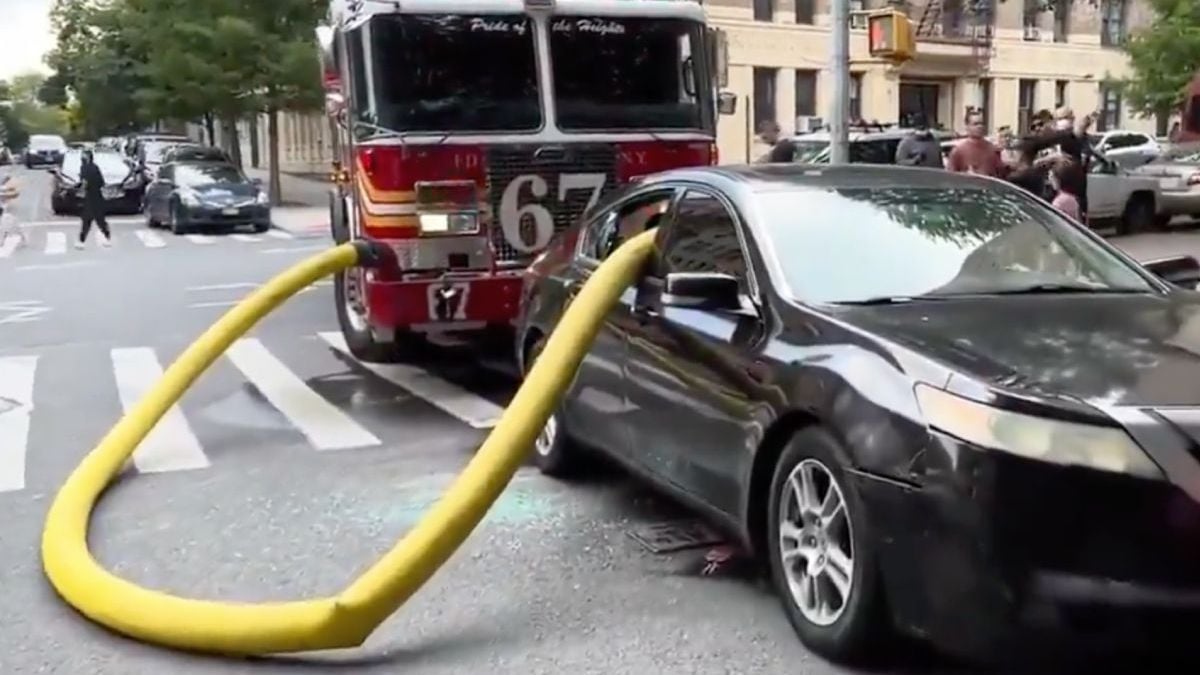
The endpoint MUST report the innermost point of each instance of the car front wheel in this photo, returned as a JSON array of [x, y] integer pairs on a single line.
[[822, 552], [554, 453]]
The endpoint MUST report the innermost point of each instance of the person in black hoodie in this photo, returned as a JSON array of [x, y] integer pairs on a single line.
[[92, 208], [1059, 131]]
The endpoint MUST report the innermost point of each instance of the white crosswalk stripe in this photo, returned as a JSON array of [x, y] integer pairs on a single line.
[[150, 238], [185, 437], [56, 243], [470, 408], [170, 445], [16, 404]]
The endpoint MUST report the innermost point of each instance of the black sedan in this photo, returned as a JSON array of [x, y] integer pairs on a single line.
[[928, 400], [205, 195], [123, 188]]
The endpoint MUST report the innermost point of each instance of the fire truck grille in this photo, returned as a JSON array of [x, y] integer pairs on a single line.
[[512, 169]]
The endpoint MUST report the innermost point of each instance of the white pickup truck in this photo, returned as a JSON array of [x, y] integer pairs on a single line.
[[1128, 201]]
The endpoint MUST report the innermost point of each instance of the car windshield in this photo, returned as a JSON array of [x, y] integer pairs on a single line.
[[863, 244], [812, 151], [192, 175], [1188, 155], [429, 76], [154, 151], [629, 73], [41, 143], [110, 163]]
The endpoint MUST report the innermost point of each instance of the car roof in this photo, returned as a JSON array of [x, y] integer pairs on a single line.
[[748, 179], [857, 134]]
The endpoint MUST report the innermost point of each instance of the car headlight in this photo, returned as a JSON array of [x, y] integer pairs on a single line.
[[448, 223], [189, 198], [262, 199], [1038, 438]]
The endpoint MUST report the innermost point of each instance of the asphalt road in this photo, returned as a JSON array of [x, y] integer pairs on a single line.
[[290, 467]]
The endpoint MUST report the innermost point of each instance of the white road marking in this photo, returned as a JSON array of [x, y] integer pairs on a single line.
[[216, 303], [279, 234], [56, 243], [9, 245], [22, 311], [58, 266], [327, 427], [170, 445], [74, 221], [150, 239], [222, 287], [294, 249], [16, 403], [248, 238], [470, 408], [199, 238]]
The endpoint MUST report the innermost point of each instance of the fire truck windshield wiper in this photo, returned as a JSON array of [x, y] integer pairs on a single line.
[[377, 131]]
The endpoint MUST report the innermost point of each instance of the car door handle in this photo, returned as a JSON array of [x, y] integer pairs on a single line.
[[643, 313]]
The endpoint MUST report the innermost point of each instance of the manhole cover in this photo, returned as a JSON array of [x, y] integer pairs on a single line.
[[676, 535]]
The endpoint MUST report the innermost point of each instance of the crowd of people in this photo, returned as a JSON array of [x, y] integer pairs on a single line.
[[1050, 161]]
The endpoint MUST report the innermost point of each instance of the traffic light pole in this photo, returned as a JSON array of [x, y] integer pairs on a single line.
[[839, 63]]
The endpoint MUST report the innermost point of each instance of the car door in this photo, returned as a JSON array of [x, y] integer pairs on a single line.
[[596, 408], [1105, 192], [690, 372], [158, 194]]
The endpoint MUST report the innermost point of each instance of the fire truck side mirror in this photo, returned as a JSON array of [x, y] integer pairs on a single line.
[[727, 103], [718, 45]]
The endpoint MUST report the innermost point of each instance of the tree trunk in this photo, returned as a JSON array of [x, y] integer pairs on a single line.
[[275, 188], [255, 159], [210, 127], [235, 143]]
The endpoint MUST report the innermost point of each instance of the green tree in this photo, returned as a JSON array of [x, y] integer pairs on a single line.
[[1164, 57]]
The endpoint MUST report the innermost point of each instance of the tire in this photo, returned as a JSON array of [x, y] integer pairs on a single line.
[[261, 227], [1139, 215], [151, 223], [360, 340], [554, 453], [177, 226], [857, 629]]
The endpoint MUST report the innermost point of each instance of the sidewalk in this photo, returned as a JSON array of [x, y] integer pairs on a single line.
[[297, 190], [302, 221]]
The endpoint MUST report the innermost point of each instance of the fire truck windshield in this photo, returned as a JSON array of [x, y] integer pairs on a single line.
[[455, 73], [630, 73]]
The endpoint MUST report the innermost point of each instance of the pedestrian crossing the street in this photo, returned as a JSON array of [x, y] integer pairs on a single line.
[[51, 242], [312, 418]]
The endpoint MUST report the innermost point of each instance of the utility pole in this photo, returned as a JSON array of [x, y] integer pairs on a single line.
[[839, 63]]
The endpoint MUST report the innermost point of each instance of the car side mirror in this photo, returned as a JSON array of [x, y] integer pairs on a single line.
[[256, 182], [727, 103], [1180, 270], [702, 290]]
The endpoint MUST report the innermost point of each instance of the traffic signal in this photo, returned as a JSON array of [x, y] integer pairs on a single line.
[[890, 36]]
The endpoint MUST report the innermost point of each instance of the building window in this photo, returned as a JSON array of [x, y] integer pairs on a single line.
[[806, 92], [985, 102], [1026, 89], [1110, 109], [1030, 17], [764, 10], [1062, 20], [1112, 23], [856, 96], [1060, 93], [806, 11], [764, 96]]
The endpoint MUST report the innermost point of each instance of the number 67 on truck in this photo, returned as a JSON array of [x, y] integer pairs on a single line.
[[468, 133]]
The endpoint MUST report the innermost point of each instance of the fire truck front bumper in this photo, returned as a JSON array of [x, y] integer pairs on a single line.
[[454, 302]]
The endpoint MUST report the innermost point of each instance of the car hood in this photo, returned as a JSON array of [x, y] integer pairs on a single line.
[[222, 192], [112, 175], [1139, 350]]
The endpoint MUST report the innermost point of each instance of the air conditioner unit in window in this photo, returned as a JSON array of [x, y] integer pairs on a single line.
[[858, 17], [806, 124]]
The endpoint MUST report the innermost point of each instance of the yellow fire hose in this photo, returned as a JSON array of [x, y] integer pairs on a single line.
[[345, 620]]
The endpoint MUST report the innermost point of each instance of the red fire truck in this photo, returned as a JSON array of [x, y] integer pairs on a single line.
[[470, 132]]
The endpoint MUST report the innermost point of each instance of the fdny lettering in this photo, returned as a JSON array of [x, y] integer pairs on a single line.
[[594, 26], [481, 24], [466, 161], [637, 157]]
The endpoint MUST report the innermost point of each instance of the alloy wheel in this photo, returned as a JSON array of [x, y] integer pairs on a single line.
[[816, 543], [544, 444]]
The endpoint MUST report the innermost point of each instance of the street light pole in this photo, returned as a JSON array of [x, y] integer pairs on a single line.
[[839, 60]]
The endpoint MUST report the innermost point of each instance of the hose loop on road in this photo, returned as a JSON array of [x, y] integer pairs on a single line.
[[347, 619]]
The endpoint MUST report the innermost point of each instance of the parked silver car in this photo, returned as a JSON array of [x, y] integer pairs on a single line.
[[1177, 170]]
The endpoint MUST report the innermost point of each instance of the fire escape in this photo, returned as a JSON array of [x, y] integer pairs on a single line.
[[969, 23]]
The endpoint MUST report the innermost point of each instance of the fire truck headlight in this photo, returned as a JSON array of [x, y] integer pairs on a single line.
[[449, 223]]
